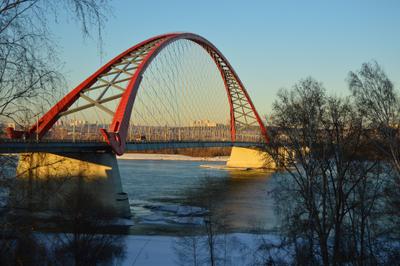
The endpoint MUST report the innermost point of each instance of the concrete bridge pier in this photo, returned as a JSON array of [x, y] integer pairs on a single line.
[[59, 182], [250, 158]]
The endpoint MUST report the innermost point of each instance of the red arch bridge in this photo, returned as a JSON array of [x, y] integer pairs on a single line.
[[171, 91]]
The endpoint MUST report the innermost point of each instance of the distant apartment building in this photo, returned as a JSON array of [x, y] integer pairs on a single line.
[[203, 123], [74, 122]]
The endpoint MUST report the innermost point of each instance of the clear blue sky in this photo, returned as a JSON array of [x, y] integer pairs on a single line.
[[271, 44]]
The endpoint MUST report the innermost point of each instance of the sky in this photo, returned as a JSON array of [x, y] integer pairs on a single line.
[[270, 44]]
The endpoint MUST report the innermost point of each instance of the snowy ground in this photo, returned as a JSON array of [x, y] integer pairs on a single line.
[[231, 249], [170, 157], [181, 249]]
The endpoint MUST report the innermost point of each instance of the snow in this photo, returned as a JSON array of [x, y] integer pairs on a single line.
[[170, 157], [189, 220], [224, 167], [149, 250], [178, 209], [157, 219], [214, 166], [154, 219], [240, 249], [230, 249], [161, 213], [166, 214]]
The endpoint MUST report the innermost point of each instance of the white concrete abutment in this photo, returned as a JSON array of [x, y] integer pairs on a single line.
[[250, 158]]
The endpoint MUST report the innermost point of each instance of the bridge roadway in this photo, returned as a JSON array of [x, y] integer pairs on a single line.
[[10, 146]]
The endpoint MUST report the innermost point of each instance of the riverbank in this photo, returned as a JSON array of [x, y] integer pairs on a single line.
[[228, 249], [231, 249], [170, 157]]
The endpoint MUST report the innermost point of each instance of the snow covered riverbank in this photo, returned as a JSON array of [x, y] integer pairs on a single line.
[[148, 250], [170, 157], [231, 249]]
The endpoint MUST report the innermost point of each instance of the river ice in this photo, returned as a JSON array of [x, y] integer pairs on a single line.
[[166, 214]]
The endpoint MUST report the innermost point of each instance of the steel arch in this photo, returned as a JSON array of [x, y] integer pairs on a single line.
[[239, 100]]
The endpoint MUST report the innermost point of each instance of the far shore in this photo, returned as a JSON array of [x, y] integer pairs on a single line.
[[170, 157]]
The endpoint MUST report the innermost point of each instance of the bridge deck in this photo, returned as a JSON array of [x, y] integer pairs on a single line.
[[73, 147]]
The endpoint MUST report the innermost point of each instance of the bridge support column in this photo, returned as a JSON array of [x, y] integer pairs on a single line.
[[54, 182], [250, 158]]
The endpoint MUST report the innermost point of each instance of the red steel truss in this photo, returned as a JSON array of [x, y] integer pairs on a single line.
[[134, 62]]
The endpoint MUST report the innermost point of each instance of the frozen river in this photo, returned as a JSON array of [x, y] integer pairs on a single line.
[[174, 195]]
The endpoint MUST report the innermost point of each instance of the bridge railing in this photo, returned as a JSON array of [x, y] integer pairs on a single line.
[[31, 141], [147, 133]]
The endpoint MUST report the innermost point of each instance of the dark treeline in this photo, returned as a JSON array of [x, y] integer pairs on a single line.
[[194, 152], [339, 202]]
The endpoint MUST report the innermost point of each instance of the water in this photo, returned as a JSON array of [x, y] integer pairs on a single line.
[[174, 195]]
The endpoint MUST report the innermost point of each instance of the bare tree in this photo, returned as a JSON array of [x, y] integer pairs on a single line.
[[30, 76], [320, 139], [378, 102], [84, 240], [188, 249], [19, 246], [29, 66], [207, 243]]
